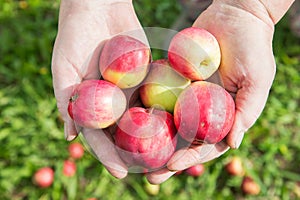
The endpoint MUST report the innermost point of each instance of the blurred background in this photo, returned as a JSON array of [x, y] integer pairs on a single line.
[[31, 130]]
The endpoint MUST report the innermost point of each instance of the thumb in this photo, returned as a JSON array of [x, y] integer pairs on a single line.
[[70, 129], [250, 102]]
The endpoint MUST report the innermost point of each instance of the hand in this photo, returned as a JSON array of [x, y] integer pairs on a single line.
[[83, 28], [247, 70]]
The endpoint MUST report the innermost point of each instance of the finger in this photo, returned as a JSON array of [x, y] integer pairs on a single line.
[[104, 149], [249, 105], [70, 130], [65, 79], [159, 176], [187, 157]]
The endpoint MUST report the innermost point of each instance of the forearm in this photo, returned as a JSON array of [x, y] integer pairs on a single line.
[[277, 8], [94, 7], [266, 10]]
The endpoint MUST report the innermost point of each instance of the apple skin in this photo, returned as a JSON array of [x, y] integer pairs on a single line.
[[146, 138], [162, 86], [69, 168], [96, 104], [196, 170], [124, 61], [204, 113], [249, 186], [76, 150], [195, 53], [235, 167], [43, 177], [151, 189]]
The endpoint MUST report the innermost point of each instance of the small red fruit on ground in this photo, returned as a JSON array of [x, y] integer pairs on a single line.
[[44, 177], [235, 166], [249, 186], [69, 168], [196, 170], [76, 150]]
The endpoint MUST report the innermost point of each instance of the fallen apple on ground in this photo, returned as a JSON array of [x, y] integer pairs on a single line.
[[249, 186], [96, 104], [162, 86], [124, 61], [43, 177], [151, 189], [195, 53], [196, 170], [76, 150], [69, 168], [204, 113], [235, 166], [146, 138]]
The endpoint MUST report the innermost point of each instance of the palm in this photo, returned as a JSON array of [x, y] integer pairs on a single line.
[[247, 70], [82, 32]]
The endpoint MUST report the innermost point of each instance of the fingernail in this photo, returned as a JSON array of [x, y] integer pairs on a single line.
[[238, 140], [70, 132], [71, 137]]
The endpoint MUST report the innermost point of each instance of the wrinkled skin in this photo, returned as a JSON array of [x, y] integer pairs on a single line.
[[75, 58], [247, 70]]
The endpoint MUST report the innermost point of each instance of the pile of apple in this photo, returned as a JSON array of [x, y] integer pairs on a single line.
[[174, 95]]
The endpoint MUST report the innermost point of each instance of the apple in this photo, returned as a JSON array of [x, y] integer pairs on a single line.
[[151, 189], [96, 104], [76, 150], [235, 166], [249, 186], [195, 53], [69, 168], [296, 189], [204, 113], [179, 172], [162, 86], [145, 138], [124, 61], [43, 177], [196, 170]]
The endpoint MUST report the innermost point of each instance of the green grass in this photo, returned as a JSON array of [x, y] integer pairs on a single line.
[[31, 131]]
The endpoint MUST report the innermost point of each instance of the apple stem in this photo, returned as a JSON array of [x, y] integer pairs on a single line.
[[198, 142], [204, 63], [74, 97], [150, 110]]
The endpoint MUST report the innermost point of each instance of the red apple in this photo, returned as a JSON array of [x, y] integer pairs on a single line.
[[76, 150], [195, 53], [162, 86], [146, 138], [96, 104], [179, 172], [69, 168], [235, 166], [204, 113], [196, 170], [249, 186], [44, 177], [124, 61]]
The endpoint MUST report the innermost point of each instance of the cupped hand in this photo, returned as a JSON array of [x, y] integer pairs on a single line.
[[244, 31], [82, 30]]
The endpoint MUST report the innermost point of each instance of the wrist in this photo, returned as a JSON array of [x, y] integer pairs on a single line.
[[277, 8], [269, 11], [89, 5], [92, 3]]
